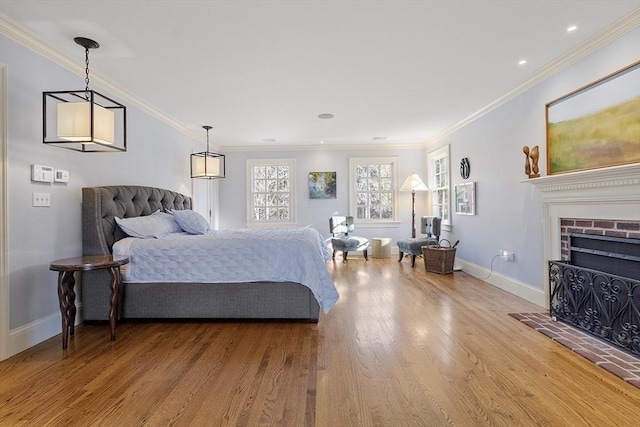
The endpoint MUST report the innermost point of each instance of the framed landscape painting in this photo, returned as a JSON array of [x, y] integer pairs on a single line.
[[596, 126], [322, 185]]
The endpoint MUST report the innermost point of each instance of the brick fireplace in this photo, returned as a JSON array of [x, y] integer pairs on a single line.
[[603, 200], [596, 205]]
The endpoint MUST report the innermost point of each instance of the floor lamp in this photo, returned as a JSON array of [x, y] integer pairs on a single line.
[[413, 183]]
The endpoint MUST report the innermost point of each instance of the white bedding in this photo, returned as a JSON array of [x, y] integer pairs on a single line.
[[228, 256]]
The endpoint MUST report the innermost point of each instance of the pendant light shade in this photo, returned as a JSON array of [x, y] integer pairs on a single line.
[[74, 122], [206, 164], [84, 120]]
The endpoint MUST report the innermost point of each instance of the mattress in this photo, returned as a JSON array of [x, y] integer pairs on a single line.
[[233, 256]]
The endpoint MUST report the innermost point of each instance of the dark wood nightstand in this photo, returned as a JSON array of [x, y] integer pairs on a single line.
[[66, 281]]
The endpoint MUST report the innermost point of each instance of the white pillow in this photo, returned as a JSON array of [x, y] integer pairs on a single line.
[[156, 225], [190, 221]]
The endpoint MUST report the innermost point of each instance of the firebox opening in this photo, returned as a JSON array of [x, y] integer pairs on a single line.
[[613, 255]]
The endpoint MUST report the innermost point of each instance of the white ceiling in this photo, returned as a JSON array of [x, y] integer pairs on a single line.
[[261, 70]]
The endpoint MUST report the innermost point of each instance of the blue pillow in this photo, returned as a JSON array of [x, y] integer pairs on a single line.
[[156, 225], [190, 221]]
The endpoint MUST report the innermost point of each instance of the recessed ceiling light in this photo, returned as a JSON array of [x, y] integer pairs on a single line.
[[522, 62], [321, 142], [572, 28], [325, 116]]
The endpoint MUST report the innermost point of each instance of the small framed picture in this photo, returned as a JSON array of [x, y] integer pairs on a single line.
[[322, 185], [466, 198]]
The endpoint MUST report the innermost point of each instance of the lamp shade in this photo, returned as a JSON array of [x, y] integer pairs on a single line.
[[207, 165], [75, 120], [413, 183]]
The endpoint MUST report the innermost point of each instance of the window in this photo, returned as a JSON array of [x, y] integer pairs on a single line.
[[372, 181], [439, 185], [271, 190]]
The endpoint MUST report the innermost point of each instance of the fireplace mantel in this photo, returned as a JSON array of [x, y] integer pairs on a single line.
[[616, 176], [607, 193]]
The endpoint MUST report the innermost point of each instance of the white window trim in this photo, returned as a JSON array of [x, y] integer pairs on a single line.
[[353, 162], [431, 158], [292, 186]]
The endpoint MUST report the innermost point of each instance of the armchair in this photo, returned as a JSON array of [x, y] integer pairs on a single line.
[[430, 226], [340, 226]]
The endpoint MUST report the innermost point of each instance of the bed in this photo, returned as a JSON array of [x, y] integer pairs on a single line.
[[173, 293]]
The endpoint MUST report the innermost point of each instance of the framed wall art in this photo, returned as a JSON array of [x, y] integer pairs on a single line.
[[322, 185], [597, 125], [465, 198]]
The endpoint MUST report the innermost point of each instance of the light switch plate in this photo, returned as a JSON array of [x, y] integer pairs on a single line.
[[41, 199]]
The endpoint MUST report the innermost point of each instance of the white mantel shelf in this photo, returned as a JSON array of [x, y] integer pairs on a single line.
[[614, 176]]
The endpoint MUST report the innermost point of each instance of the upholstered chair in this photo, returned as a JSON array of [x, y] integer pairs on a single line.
[[341, 240], [430, 227]]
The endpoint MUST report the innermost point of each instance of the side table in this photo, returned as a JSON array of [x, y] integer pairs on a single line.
[[381, 247], [66, 281]]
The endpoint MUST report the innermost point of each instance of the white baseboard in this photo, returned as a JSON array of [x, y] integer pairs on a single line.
[[37, 331], [34, 333], [509, 284]]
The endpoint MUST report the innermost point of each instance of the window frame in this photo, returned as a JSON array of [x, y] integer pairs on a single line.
[[432, 158], [354, 162], [250, 164]]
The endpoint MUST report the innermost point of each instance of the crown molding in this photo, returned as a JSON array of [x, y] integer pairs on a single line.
[[586, 48], [31, 41], [324, 147]]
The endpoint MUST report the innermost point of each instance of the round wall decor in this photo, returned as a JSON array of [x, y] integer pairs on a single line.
[[465, 168]]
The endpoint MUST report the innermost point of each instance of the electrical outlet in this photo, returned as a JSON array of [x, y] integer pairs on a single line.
[[506, 255]]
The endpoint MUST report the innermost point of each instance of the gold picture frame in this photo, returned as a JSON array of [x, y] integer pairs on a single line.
[[597, 125]]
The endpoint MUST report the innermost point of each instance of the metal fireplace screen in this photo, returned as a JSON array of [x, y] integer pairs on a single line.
[[599, 302]]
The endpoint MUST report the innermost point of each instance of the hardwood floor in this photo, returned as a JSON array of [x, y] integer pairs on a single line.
[[401, 347]]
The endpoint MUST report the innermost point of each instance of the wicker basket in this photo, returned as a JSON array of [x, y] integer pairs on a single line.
[[438, 258]]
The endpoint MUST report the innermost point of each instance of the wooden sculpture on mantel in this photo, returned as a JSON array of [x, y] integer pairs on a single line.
[[531, 161]]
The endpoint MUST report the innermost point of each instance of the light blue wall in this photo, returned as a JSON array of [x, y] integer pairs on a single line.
[[158, 155], [508, 210], [233, 194]]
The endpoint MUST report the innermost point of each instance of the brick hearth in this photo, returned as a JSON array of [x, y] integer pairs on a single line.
[[608, 357]]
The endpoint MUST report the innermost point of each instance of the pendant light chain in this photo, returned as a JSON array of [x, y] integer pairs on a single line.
[[207, 129], [86, 70]]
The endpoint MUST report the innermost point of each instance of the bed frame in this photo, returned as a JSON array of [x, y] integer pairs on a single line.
[[254, 300]]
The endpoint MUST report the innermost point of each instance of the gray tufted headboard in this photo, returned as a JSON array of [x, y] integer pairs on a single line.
[[101, 204]]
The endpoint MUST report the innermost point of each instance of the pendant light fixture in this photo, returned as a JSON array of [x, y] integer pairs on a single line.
[[206, 164], [84, 120]]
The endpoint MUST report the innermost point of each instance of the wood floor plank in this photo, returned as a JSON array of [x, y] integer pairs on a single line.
[[402, 347]]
